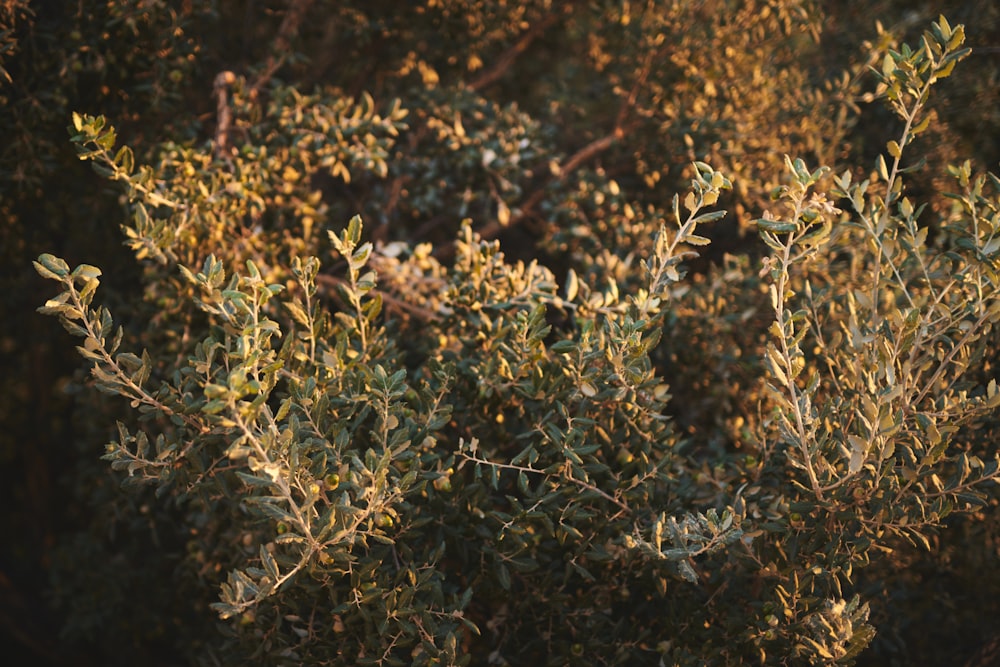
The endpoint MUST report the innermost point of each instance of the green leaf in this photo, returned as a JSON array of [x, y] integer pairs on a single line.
[[45, 273], [503, 576], [125, 160], [107, 139], [52, 265], [58, 306], [297, 312], [86, 271], [564, 346], [775, 226], [354, 231], [267, 560], [687, 572], [883, 170], [360, 256], [572, 285], [691, 202], [709, 217], [774, 364]]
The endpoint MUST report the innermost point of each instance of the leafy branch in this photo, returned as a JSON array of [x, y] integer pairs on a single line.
[[469, 452]]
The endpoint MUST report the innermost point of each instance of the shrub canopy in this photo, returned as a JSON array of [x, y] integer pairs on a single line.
[[514, 333]]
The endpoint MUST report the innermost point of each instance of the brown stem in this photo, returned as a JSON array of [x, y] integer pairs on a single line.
[[492, 229], [487, 77], [282, 43], [224, 114], [629, 102], [588, 152], [507, 58]]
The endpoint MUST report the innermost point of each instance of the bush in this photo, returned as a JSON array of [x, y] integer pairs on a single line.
[[364, 448]]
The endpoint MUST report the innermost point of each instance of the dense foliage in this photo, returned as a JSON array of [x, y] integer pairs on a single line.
[[514, 333]]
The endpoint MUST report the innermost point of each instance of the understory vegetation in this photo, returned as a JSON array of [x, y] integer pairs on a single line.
[[471, 332]]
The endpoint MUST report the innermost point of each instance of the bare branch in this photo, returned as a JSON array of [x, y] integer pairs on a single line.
[[575, 161], [507, 58], [527, 208], [589, 151], [282, 43], [223, 113]]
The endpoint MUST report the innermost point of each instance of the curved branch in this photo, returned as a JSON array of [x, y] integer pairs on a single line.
[[282, 43], [507, 58], [577, 159], [492, 229]]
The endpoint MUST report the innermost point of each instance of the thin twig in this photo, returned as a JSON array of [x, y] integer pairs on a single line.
[[575, 161], [570, 478], [526, 209], [410, 308], [282, 43], [507, 58]]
